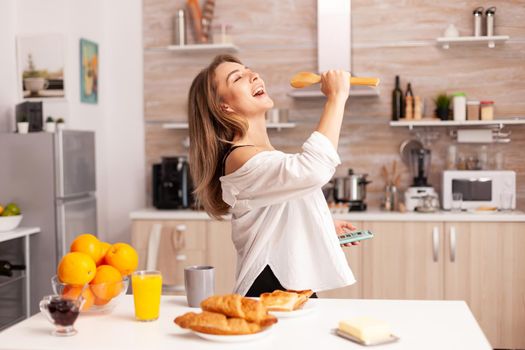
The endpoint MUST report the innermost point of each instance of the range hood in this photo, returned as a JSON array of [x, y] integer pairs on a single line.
[[334, 46]]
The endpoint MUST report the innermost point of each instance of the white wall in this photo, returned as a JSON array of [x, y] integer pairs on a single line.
[[7, 63], [123, 79], [117, 119]]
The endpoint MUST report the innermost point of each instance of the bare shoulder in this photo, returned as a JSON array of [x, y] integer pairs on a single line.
[[238, 157]]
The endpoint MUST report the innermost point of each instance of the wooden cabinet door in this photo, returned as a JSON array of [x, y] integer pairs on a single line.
[[179, 244], [403, 261], [222, 255], [485, 266], [353, 256]]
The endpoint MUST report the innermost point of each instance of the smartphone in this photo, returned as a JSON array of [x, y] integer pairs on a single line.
[[355, 236]]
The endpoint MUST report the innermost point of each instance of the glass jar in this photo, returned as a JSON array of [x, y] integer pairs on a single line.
[[487, 110], [473, 110], [221, 33]]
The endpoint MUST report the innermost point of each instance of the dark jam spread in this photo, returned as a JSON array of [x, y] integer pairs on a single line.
[[64, 312]]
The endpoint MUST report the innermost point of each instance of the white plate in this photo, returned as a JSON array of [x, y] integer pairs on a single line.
[[234, 338], [476, 211], [305, 310]]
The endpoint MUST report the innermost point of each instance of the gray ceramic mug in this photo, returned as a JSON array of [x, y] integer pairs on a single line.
[[199, 282]]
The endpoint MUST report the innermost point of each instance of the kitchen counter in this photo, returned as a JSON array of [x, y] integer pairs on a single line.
[[18, 233], [369, 215], [419, 324]]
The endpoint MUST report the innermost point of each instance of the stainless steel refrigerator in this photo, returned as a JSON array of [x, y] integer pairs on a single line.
[[51, 176]]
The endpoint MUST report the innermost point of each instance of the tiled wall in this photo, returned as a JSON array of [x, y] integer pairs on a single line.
[[278, 38]]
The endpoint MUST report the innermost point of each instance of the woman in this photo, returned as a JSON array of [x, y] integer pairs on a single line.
[[281, 225]]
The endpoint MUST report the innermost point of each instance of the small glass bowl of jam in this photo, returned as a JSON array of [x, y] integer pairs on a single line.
[[62, 313]]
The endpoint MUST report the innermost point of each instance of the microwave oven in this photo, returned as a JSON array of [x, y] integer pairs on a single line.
[[479, 188]]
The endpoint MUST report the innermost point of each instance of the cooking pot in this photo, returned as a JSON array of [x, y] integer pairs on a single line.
[[351, 188]]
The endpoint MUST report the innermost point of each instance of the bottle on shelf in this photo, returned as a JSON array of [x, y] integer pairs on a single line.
[[459, 102], [6, 268], [409, 102], [397, 101]]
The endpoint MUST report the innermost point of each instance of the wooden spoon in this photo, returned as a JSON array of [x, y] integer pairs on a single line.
[[304, 79]]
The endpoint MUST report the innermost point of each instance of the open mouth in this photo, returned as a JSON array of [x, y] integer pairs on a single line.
[[258, 92]]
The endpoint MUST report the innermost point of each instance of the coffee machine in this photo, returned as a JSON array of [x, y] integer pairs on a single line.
[[421, 191], [172, 185]]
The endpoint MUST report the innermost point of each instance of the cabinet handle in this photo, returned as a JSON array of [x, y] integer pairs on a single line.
[[180, 242], [435, 243], [452, 244]]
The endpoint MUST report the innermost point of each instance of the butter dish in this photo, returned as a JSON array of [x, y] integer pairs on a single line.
[[366, 331], [389, 339]]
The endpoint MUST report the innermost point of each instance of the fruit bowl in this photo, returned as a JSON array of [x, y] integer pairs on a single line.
[[8, 223], [111, 292]]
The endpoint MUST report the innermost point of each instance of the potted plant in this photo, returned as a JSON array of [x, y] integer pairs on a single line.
[[61, 124], [34, 80], [23, 125], [442, 106], [50, 125]]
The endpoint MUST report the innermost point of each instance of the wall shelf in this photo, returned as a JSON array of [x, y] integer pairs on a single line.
[[451, 123], [489, 40], [315, 94], [196, 48], [184, 126]]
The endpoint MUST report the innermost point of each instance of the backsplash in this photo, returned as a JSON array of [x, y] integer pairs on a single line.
[[278, 38]]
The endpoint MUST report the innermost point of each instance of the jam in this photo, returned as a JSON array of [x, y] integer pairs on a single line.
[[64, 312]]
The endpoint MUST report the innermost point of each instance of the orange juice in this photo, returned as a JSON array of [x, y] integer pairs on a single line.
[[147, 288]]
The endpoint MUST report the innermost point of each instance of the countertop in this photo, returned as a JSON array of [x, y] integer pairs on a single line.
[[419, 324], [18, 232], [369, 215]]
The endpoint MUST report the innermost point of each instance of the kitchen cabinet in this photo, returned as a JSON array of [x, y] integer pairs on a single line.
[[354, 257], [403, 261], [485, 266], [185, 243], [222, 255], [480, 263]]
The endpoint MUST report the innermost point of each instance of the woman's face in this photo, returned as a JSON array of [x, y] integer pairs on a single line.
[[241, 90]]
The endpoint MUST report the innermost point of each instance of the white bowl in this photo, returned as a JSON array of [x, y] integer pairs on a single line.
[[9, 223]]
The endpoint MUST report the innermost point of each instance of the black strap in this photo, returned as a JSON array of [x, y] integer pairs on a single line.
[[233, 148]]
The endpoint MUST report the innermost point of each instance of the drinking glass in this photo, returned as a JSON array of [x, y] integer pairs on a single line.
[[457, 201], [506, 199], [147, 288]]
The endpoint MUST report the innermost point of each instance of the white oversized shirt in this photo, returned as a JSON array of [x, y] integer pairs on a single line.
[[280, 218]]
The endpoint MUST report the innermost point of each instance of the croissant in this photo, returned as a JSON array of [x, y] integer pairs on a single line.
[[280, 300], [234, 305], [228, 315], [215, 323]]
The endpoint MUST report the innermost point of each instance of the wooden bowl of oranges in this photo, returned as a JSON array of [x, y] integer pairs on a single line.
[[96, 271]]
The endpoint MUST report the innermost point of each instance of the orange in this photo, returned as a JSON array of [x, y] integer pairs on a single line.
[[123, 257], [104, 247], [73, 292], [106, 283], [76, 269], [88, 244]]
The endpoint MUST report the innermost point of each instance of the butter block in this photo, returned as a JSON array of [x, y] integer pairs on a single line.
[[367, 329]]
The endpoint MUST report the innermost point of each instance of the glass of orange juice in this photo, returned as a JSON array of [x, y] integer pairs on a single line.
[[147, 288]]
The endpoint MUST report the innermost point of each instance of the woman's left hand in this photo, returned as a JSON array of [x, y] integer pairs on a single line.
[[341, 227]]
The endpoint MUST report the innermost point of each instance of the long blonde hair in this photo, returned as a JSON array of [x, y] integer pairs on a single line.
[[211, 133]]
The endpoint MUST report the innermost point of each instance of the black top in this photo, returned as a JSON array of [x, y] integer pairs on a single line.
[[233, 148]]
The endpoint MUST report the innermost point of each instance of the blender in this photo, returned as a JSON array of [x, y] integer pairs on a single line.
[[417, 196]]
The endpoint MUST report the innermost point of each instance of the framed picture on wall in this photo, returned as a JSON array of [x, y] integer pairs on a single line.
[[88, 71], [41, 62]]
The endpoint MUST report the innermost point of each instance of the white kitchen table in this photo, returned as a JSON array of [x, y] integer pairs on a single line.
[[419, 324]]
